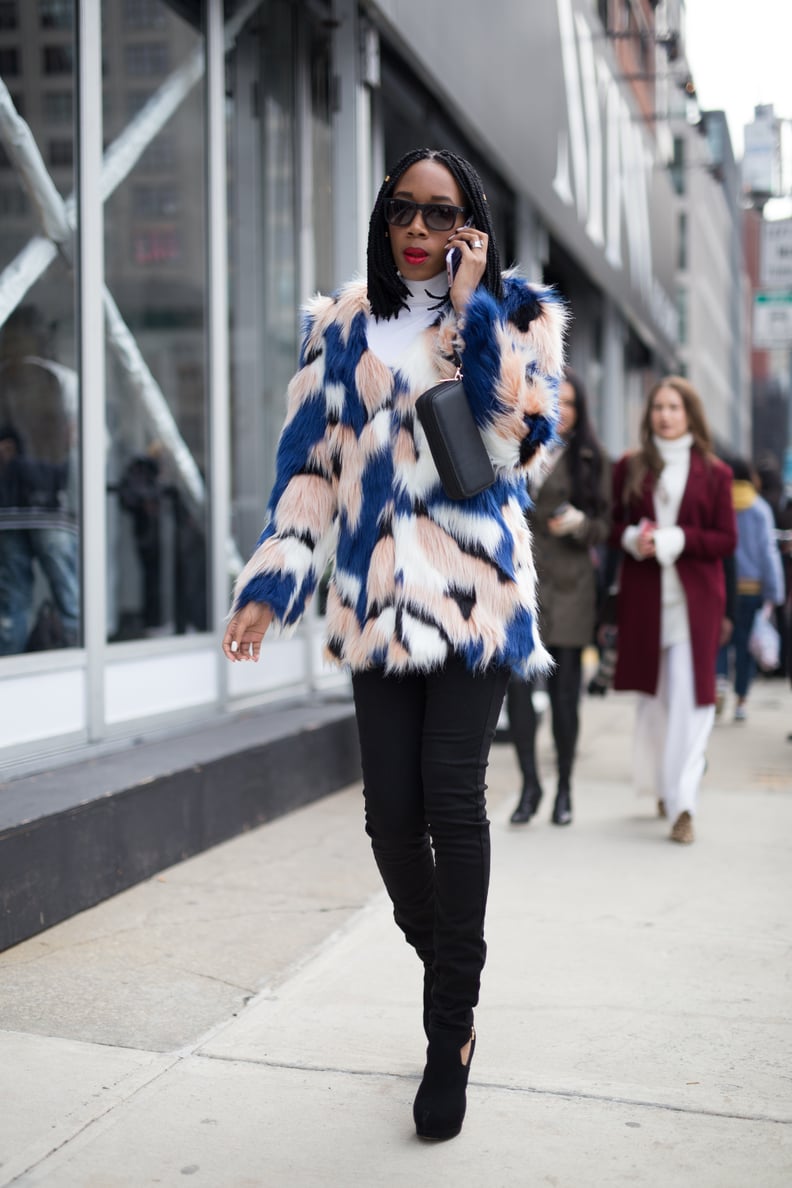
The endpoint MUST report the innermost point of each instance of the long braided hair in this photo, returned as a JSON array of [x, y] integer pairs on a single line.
[[387, 292]]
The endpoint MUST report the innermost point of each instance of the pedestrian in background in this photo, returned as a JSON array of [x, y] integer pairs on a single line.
[[570, 520], [674, 520], [760, 580], [431, 601]]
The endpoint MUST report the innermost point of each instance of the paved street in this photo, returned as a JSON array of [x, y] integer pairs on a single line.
[[252, 1018]]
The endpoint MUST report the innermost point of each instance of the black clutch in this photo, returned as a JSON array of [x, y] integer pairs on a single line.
[[459, 454]]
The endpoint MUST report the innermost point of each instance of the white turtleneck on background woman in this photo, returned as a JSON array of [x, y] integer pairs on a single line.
[[669, 538]]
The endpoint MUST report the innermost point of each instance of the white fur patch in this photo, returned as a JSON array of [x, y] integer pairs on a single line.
[[468, 528], [418, 364], [411, 558], [421, 477], [334, 400], [504, 452], [348, 585], [380, 427], [424, 642]]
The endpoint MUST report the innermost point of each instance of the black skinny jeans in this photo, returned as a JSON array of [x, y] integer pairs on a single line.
[[563, 688], [425, 741]]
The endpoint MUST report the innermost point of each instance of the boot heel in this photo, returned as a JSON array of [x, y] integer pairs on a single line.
[[441, 1100], [562, 809]]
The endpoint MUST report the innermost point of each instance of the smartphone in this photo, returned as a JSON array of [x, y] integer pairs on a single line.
[[453, 258]]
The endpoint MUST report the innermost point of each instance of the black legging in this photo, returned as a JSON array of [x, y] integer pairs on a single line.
[[425, 741], [563, 688]]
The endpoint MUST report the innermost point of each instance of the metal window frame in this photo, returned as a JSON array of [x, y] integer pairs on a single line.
[[91, 354], [217, 339]]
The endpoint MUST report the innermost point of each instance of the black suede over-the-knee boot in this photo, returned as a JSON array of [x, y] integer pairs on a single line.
[[441, 1100]]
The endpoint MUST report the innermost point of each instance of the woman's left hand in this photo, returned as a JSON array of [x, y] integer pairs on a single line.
[[472, 266]]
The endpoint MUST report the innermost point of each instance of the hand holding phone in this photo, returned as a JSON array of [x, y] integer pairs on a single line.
[[454, 258]]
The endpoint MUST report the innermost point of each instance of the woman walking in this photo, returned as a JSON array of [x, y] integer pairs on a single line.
[[570, 517], [432, 601], [673, 518]]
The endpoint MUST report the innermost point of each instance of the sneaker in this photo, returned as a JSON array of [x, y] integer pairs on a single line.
[[740, 713], [661, 810], [682, 831], [721, 693]]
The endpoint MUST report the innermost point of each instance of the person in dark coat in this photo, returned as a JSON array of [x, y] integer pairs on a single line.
[[570, 518], [674, 520]]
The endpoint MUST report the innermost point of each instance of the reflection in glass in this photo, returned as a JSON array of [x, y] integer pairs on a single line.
[[39, 392], [155, 234], [273, 53]]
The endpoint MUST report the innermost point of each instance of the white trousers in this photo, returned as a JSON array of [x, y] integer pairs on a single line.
[[671, 735]]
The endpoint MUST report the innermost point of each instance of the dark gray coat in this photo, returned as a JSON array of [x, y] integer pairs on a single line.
[[566, 570]]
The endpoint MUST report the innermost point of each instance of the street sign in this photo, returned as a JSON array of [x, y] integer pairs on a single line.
[[776, 262], [772, 321]]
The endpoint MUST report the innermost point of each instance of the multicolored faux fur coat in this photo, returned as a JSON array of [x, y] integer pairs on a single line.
[[416, 575]]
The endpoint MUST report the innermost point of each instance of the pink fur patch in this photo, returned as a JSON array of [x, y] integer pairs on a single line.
[[307, 505], [374, 381]]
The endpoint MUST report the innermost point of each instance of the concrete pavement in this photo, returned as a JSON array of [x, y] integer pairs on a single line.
[[251, 1016]]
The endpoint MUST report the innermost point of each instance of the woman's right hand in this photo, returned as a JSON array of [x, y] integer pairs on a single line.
[[246, 630]]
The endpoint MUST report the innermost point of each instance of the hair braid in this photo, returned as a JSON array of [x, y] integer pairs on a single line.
[[387, 292]]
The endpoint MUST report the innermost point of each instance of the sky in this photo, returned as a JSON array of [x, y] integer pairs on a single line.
[[741, 55]]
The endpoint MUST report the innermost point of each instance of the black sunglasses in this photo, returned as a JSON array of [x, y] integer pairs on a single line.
[[437, 216]]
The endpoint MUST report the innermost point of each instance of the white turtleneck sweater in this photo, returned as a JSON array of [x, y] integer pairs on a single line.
[[389, 340], [669, 538]]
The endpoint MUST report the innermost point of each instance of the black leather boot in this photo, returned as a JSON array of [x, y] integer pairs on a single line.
[[562, 809], [529, 802], [440, 1103]]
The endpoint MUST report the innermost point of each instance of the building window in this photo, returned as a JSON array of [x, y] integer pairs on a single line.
[[8, 14], [682, 241], [147, 59], [144, 14], [159, 157], [13, 203], [58, 59], [155, 202], [156, 247], [678, 165], [9, 61], [58, 107], [61, 152], [682, 316], [135, 102], [56, 14]]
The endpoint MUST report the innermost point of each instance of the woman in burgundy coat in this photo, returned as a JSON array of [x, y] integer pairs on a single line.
[[674, 520]]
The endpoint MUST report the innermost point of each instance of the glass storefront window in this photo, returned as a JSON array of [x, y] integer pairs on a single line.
[[275, 53], [39, 389], [262, 208], [155, 271]]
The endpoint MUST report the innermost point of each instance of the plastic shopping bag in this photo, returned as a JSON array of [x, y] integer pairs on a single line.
[[764, 642]]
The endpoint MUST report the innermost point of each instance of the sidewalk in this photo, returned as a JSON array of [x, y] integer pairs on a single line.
[[251, 1018]]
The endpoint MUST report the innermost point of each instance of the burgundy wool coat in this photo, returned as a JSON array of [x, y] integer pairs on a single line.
[[707, 517]]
